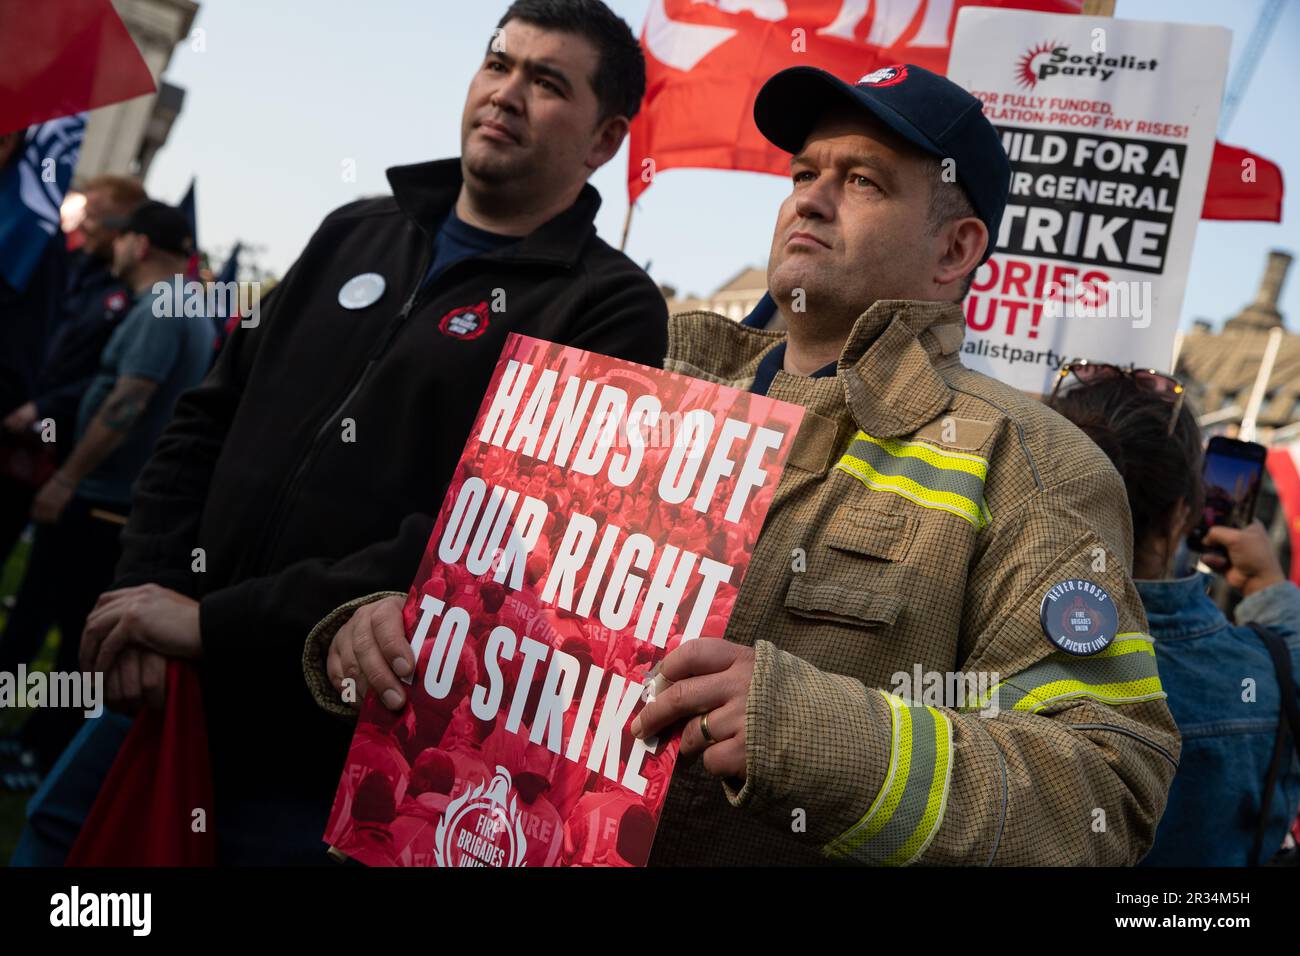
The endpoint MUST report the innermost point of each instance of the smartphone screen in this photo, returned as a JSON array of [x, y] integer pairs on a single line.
[[1232, 475]]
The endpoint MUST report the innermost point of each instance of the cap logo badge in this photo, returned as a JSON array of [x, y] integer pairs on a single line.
[[885, 76]]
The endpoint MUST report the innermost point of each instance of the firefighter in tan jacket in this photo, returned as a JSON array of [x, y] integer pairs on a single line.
[[937, 654]]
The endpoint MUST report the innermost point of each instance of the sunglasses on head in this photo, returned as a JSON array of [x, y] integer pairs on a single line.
[[1146, 379]]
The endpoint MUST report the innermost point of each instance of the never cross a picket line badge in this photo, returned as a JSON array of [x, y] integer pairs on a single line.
[[1079, 617]]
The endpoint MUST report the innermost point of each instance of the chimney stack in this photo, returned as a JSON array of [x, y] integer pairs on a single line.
[[1262, 314]]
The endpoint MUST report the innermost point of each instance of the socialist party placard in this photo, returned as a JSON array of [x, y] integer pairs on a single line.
[[601, 514], [1109, 125]]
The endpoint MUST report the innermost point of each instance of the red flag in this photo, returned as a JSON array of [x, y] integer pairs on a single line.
[[144, 814], [1242, 185], [59, 57], [1284, 467], [705, 67]]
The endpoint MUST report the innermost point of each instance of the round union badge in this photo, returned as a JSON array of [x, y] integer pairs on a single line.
[[362, 290], [1079, 617]]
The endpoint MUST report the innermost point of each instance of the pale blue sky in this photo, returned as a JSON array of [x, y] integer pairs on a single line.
[[287, 90]]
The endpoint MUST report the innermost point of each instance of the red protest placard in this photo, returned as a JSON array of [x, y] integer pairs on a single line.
[[602, 513]]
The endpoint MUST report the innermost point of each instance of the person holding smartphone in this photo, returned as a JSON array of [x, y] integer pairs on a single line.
[[1220, 679]]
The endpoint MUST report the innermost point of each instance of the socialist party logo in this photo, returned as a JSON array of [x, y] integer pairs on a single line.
[[479, 828], [1050, 59]]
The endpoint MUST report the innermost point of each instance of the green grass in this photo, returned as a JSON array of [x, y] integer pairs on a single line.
[[12, 805]]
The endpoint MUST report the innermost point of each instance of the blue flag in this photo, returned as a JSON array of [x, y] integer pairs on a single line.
[[32, 188], [187, 207], [230, 271]]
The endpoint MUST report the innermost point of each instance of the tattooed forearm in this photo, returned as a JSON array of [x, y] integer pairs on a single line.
[[107, 430], [125, 404]]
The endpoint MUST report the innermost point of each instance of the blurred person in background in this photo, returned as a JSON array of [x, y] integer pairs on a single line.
[[1206, 662], [31, 287], [154, 354], [94, 302]]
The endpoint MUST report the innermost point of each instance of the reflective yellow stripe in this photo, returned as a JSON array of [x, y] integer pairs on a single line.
[[1130, 642], [882, 808], [925, 474], [938, 500], [1127, 693], [937, 799], [932, 454], [907, 812], [1123, 673]]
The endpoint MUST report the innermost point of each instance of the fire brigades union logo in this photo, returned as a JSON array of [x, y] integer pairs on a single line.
[[467, 323], [479, 828], [1079, 617]]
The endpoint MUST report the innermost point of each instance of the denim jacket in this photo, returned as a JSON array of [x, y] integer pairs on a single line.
[[1224, 696]]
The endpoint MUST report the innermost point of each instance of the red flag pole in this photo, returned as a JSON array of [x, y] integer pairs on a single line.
[[627, 224]]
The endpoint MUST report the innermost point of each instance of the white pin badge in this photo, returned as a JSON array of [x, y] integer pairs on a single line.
[[361, 291]]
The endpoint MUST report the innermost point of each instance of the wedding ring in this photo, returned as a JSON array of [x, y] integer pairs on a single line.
[[704, 729]]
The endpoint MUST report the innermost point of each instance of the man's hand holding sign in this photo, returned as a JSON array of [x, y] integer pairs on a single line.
[[371, 650], [709, 690]]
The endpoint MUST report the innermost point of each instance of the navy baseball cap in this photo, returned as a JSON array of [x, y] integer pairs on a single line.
[[165, 226], [929, 111]]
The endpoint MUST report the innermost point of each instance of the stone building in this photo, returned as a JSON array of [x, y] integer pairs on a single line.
[[1221, 368], [123, 138], [735, 298]]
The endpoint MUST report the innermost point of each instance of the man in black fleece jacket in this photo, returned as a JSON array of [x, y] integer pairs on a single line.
[[308, 466]]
